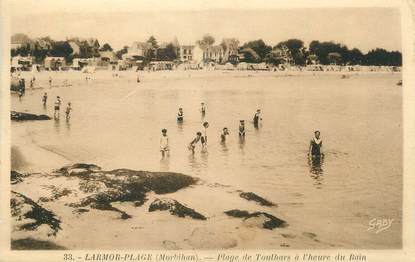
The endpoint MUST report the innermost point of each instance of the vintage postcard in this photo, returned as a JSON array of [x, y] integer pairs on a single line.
[[228, 131]]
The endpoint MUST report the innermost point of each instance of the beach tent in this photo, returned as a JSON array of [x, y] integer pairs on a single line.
[[88, 70], [229, 66], [242, 66]]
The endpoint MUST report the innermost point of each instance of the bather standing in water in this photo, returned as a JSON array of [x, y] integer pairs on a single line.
[[203, 139], [164, 143], [223, 135], [45, 99], [192, 144], [68, 111], [257, 118], [316, 144], [203, 108], [241, 128], [57, 107], [180, 115]]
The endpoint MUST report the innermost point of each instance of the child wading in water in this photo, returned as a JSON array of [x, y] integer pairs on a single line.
[[57, 107], [68, 111], [242, 128], [223, 135], [164, 143], [316, 144], [180, 115], [192, 144]]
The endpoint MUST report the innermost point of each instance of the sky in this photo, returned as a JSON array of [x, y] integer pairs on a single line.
[[126, 21]]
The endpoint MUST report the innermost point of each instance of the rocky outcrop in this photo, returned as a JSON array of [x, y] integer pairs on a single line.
[[19, 116], [254, 197], [121, 185], [16, 177], [261, 219], [28, 215], [34, 244], [57, 193], [175, 208]]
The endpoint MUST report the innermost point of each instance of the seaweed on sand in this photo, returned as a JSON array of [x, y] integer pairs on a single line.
[[19, 205], [175, 208], [254, 197], [270, 221]]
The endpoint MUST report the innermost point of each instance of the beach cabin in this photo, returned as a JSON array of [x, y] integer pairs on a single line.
[[242, 66], [21, 63], [54, 63], [108, 58], [161, 65]]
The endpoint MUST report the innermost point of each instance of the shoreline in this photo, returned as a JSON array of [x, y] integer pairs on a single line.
[[131, 75]]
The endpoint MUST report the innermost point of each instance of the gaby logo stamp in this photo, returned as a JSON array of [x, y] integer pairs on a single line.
[[378, 225]]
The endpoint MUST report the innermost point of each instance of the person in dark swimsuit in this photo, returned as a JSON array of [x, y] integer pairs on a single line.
[[224, 133], [57, 107], [203, 139], [316, 145], [44, 99], [180, 115], [242, 128], [257, 118]]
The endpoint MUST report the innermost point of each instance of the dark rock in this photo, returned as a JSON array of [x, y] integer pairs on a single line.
[[140, 202], [237, 213], [175, 208], [23, 208], [78, 169], [34, 244], [270, 221], [16, 177], [122, 185], [19, 116], [254, 197]]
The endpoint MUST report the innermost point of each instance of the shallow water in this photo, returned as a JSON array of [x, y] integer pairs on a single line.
[[116, 123]]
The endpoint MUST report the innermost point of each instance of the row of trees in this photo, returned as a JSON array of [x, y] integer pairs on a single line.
[[291, 51], [294, 51]]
